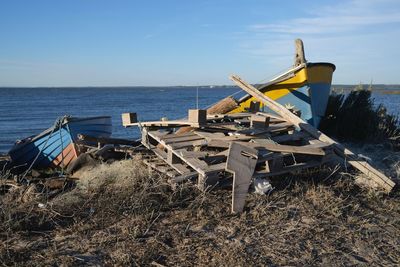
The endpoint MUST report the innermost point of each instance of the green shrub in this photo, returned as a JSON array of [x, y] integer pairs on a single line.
[[355, 118]]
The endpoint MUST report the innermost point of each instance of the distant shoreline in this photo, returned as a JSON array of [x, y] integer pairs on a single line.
[[381, 88]]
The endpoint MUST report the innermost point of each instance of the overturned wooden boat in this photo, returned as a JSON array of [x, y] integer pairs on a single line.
[[304, 89], [55, 147]]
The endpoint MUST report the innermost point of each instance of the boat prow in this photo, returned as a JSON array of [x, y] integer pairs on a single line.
[[304, 89]]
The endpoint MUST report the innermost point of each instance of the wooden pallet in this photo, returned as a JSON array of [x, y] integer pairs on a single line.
[[207, 153]]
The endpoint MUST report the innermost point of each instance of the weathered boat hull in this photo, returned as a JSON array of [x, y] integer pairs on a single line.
[[307, 91], [56, 145]]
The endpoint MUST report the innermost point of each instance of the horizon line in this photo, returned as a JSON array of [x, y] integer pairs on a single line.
[[171, 86]]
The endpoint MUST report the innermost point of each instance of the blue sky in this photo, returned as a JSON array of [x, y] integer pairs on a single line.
[[177, 42]]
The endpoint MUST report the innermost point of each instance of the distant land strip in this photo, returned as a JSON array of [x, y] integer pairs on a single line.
[[380, 88]]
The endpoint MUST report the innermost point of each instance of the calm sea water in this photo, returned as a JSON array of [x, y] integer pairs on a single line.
[[28, 111]]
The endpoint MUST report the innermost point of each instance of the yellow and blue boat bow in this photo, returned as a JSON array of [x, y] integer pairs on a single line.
[[305, 90]]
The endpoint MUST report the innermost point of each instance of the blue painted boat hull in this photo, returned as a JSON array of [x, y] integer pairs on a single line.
[[56, 145]]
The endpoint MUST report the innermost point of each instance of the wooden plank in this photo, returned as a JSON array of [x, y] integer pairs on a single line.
[[195, 163], [218, 144], [235, 115], [274, 118], [212, 135], [145, 138], [179, 123], [173, 123], [242, 161], [222, 137], [192, 154], [281, 126], [172, 136], [181, 168], [288, 169], [307, 149], [296, 136], [196, 142], [214, 159], [184, 177], [273, 128], [181, 139], [253, 132], [216, 167], [379, 178], [160, 153], [201, 142], [218, 129], [105, 140], [223, 153], [267, 155]]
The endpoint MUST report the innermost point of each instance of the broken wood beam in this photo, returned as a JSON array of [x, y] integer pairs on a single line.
[[128, 118], [242, 161], [197, 116], [254, 107], [259, 121], [224, 106], [299, 57], [379, 178]]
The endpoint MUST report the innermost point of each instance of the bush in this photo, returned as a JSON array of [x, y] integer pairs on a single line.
[[355, 118]]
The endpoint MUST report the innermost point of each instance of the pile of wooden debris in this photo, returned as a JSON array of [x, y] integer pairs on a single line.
[[233, 143], [214, 148]]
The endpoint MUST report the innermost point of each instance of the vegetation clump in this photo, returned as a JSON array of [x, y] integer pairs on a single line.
[[355, 118]]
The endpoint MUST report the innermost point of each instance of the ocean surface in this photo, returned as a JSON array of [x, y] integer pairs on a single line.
[[28, 111]]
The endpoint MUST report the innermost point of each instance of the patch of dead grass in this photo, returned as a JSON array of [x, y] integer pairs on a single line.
[[124, 214]]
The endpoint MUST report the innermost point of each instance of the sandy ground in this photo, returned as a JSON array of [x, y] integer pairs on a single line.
[[125, 214]]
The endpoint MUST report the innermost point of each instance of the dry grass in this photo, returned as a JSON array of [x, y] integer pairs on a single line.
[[123, 214]]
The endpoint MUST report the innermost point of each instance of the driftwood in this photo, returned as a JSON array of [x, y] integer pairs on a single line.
[[222, 107]]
